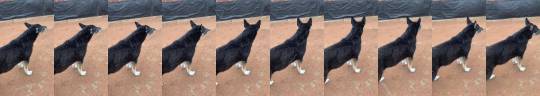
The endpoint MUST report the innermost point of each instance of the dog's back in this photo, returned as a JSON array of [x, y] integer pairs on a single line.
[[237, 49], [292, 49]]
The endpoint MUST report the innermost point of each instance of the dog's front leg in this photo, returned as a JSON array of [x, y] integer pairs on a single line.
[[296, 64], [462, 60], [24, 66], [407, 61], [354, 62], [242, 66], [187, 66], [78, 67], [517, 61], [131, 65]]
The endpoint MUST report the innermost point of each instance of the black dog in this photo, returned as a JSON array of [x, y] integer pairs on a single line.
[[236, 52], [181, 51], [126, 52], [457, 47], [73, 50], [346, 50], [400, 50], [290, 51], [511, 47], [19, 50]]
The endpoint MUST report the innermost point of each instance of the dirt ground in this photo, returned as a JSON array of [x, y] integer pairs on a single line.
[[453, 80], [398, 80], [123, 83], [69, 82], [343, 81], [509, 80], [232, 82], [177, 82], [14, 82], [288, 82]]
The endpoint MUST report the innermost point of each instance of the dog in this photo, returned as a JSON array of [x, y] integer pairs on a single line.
[[401, 50], [126, 52], [346, 50], [181, 51], [513, 47], [72, 51], [236, 51], [19, 50], [457, 47], [290, 51]]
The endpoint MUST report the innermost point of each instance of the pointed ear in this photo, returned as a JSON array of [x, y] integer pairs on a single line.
[[309, 21], [409, 20], [527, 22], [363, 20], [419, 20], [246, 24], [298, 21], [137, 24], [469, 20], [27, 25], [258, 23], [353, 22], [82, 25], [192, 24]]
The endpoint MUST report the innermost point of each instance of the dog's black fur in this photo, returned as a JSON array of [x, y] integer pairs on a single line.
[[348, 48], [513, 46], [182, 49], [128, 49], [292, 49], [237, 49], [404, 46], [458, 46], [74, 49], [19, 49]]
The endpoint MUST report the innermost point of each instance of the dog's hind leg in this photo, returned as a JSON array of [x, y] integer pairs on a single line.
[[407, 61], [187, 66], [353, 62], [78, 67], [296, 63], [24, 66], [242, 66], [517, 61], [461, 61], [131, 65]]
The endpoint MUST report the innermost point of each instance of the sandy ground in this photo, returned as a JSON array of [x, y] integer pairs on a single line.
[[343, 81], [177, 82], [398, 80], [69, 82], [288, 82], [509, 80], [232, 82], [453, 80], [123, 83], [14, 82]]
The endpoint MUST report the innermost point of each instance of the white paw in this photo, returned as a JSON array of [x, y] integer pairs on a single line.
[[136, 73], [326, 81], [467, 69], [247, 72], [271, 82], [357, 70], [82, 73], [217, 83], [302, 71], [436, 78], [492, 76], [28, 73], [380, 80], [412, 70], [191, 73], [522, 69]]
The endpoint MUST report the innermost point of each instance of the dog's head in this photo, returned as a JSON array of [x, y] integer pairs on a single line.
[[532, 27], [477, 28], [90, 28], [416, 24], [201, 28], [38, 28], [301, 25], [358, 24], [147, 29], [255, 26]]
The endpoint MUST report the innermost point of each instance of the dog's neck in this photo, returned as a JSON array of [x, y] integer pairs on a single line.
[[193, 35], [136, 38], [83, 36], [410, 32], [248, 35], [300, 35], [524, 34], [27, 37], [467, 33], [355, 34]]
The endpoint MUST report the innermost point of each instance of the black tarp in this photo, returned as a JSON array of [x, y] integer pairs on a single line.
[[182, 9], [295, 8], [349, 8], [133, 9], [78, 9], [12, 9], [390, 9], [235, 9], [500, 9], [446, 9]]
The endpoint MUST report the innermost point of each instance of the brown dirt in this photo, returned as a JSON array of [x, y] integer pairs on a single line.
[[69, 83], [178, 82], [123, 82], [509, 80], [398, 80], [232, 82], [14, 82], [453, 80], [288, 82], [343, 81]]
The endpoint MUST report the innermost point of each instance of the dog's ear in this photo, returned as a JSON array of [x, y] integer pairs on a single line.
[[82, 25], [469, 20], [192, 24], [298, 21], [527, 22], [246, 24], [137, 24], [363, 20], [27, 25], [309, 21], [419, 20], [258, 24], [409, 21], [353, 22]]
